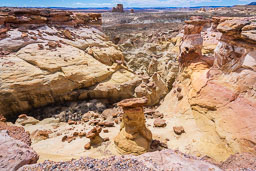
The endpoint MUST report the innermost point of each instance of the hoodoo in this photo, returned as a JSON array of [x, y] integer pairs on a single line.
[[134, 137]]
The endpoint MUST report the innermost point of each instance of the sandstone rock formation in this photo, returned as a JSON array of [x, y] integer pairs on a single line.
[[134, 137], [46, 49], [26, 120], [31, 17], [155, 161], [14, 153], [94, 135], [218, 91], [118, 8], [154, 89]]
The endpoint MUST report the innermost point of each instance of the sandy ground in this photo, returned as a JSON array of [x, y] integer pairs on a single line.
[[54, 149]]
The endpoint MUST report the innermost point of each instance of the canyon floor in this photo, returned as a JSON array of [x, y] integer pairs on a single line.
[[162, 90]]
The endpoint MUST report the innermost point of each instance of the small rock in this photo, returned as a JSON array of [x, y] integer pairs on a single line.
[[157, 114], [67, 34], [105, 139], [70, 122], [82, 134], [69, 139], [75, 134], [64, 138], [26, 120], [52, 44], [116, 121], [105, 130], [59, 134], [87, 146], [159, 123], [34, 37], [96, 116], [23, 35], [109, 124], [40, 46], [178, 130], [2, 118], [179, 89], [85, 119], [179, 96], [22, 116]]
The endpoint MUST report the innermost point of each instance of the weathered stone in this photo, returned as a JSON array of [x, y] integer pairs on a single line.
[[216, 96], [134, 137], [14, 153], [17, 133], [26, 120], [39, 135], [67, 34], [159, 123], [94, 135], [2, 118], [87, 146], [178, 130], [70, 122]]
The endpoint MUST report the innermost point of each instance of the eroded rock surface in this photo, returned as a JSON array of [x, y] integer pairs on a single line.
[[55, 61], [14, 153], [218, 91], [16, 132], [134, 136]]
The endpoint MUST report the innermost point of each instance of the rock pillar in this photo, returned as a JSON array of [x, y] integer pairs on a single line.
[[134, 137]]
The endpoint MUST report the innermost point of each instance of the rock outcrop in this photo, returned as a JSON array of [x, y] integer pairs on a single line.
[[16, 132], [41, 52], [218, 91], [155, 161], [154, 89], [118, 8], [134, 137], [14, 153], [30, 17], [94, 135], [244, 161]]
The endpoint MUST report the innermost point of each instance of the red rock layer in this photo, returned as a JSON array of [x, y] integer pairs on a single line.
[[22, 16], [220, 88]]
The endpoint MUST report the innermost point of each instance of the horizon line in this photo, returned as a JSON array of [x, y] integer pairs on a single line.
[[112, 7]]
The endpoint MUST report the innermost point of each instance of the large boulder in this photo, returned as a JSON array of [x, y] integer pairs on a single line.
[[14, 153], [16, 132]]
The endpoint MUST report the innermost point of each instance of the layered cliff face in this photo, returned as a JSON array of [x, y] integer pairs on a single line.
[[50, 56], [214, 96]]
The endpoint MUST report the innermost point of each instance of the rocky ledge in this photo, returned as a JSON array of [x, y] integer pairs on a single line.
[[49, 56], [216, 93]]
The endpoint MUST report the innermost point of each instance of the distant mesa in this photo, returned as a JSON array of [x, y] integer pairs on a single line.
[[252, 3], [118, 8]]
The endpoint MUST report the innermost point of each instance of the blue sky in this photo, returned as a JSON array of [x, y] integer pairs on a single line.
[[127, 3]]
